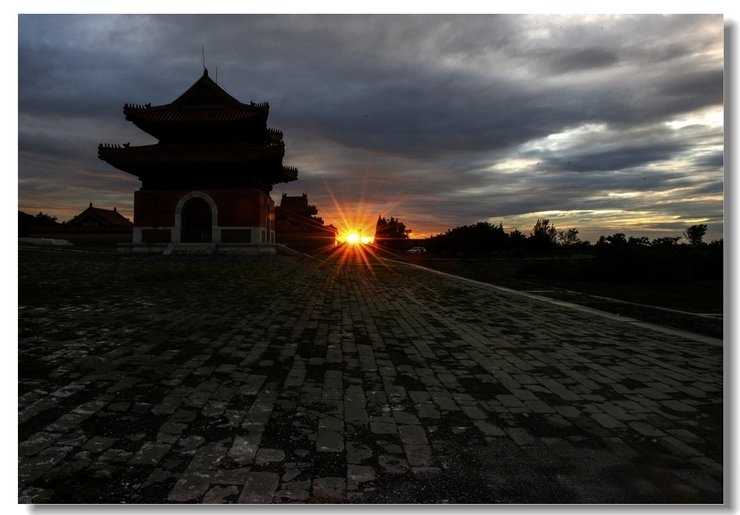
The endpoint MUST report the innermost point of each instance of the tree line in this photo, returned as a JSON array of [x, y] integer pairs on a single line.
[[391, 233], [485, 237], [615, 258]]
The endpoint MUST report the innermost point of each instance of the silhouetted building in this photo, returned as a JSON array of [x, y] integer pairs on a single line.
[[209, 176], [25, 223], [297, 225], [95, 217], [93, 226]]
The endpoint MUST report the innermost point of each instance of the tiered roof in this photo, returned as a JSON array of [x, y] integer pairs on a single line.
[[151, 117], [204, 130]]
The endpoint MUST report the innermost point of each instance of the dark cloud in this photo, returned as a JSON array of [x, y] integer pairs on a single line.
[[710, 160], [693, 89], [615, 159], [583, 59], [444, 119]]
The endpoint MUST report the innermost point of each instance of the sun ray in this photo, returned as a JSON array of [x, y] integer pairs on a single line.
[[358, 227]]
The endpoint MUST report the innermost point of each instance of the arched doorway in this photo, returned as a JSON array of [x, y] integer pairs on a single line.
[[196, 221]]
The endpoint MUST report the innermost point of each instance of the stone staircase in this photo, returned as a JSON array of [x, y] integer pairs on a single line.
[[190, 248]]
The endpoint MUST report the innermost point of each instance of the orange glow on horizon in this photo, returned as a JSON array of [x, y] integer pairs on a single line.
[[356, 225], [357, 251], [354, 238], [355, 233]]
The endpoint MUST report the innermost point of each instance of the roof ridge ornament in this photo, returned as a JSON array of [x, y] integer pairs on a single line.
[[205, 70]]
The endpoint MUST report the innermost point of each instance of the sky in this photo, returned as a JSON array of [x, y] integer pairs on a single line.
[[605, 123]]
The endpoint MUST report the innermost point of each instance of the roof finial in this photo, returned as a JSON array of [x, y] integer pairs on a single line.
[[205, 70]]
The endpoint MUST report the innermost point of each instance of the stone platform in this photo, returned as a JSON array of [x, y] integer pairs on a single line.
[[351, 380], [246, 249]]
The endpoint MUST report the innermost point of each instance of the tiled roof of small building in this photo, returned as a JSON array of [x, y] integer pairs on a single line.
[[104, 217]]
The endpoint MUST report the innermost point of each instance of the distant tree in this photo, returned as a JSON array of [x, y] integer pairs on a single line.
[[717, 243], [568, 238], [543, 228], [695, 234], [616, 241], [516, 238], [544, 235], [485, 237], [666, 241], [641, 241], [479, 238], [392, 228], [44, 219], [388, 231]]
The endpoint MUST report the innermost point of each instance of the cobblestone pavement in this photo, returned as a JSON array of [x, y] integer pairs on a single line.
[[348, 381]]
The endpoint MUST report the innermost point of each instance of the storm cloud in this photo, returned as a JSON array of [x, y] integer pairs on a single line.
[[604, 123]]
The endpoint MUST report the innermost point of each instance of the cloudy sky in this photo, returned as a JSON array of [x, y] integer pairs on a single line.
[[603, 123]]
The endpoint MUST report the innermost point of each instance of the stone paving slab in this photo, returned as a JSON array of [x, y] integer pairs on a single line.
[[348, 380]]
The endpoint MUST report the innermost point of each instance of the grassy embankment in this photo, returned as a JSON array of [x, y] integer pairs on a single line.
[[693, 305]]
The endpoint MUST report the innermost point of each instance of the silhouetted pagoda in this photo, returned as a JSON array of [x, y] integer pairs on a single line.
[[298, 227], [208, 178]]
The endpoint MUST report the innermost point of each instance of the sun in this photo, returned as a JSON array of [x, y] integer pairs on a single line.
[[355, 238]]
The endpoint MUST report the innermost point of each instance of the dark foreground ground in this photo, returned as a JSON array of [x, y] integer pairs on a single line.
[[153, 379]]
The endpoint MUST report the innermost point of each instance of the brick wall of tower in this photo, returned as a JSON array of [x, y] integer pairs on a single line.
[[154, 212]]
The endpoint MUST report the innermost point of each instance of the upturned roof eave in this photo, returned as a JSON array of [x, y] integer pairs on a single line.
[[143, 174], [138, 162], [196, 113], [209, 152]]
